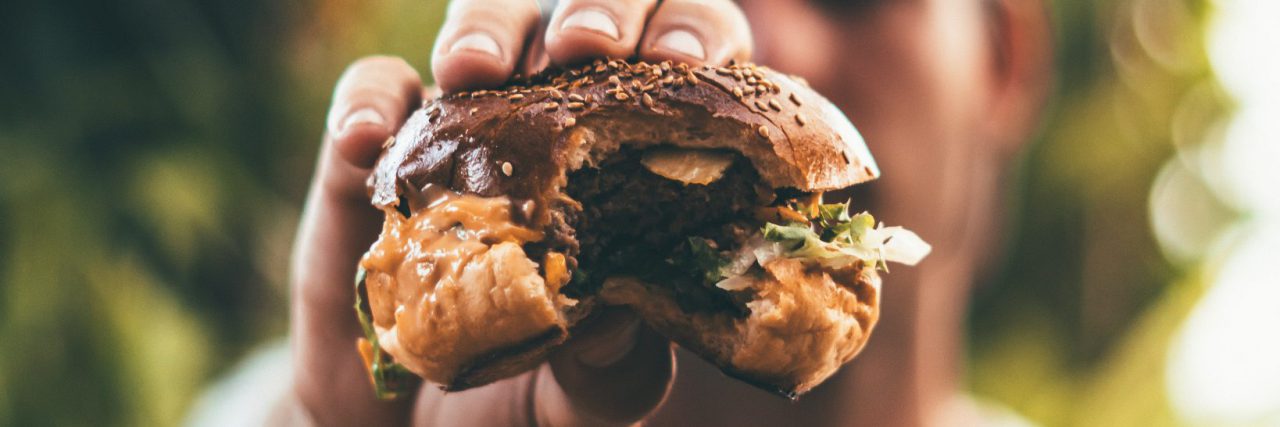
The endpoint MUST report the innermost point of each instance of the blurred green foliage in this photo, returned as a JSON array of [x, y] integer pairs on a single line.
[[154, 155], [1074, 328]]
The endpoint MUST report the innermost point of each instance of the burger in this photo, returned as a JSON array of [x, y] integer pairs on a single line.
[[692, 195]]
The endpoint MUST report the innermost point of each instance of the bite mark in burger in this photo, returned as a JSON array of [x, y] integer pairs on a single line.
[[692, 195]]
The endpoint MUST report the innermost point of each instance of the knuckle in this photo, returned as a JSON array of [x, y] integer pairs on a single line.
[[723, 12], [390, 68], [505, 11], [640, 4], [378, 62]]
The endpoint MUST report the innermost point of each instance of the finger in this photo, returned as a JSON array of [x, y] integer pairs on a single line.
[[586, 29], [697, 32], [481, 42], [371, 100], [615, 371], [535, 52]]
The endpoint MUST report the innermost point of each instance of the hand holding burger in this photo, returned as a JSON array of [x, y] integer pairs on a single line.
[[631, 367]]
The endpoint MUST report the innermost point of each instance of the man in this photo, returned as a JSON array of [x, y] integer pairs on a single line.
[[944, 91]]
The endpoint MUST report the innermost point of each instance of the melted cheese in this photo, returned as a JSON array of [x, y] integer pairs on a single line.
[[452, 283], [687, 165]]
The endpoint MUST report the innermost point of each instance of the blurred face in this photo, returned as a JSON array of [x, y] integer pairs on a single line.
[[915, 77]]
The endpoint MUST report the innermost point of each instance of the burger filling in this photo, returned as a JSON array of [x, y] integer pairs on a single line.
[[637, 223], [700, 223], [663, 221]]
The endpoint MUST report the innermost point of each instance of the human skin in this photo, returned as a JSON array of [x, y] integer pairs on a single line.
[[936, 86]]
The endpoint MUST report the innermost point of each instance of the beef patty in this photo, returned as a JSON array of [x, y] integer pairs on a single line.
[[636, 223]]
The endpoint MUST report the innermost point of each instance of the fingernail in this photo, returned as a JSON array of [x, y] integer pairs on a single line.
[[477, 42], [593, 20], [613, 347], [681, 42], [363, 116]]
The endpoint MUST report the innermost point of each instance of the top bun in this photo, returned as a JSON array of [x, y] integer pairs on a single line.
[[521, 139]]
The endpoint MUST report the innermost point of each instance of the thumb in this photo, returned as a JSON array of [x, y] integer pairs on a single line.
[[614, 371]]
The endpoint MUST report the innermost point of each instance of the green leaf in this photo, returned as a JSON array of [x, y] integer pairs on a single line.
[[790, 235], [859, 225], [390, 379], [834, 213], [833, 236], [705, 259]]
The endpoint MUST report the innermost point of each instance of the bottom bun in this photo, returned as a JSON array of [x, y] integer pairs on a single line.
[[804, 324]]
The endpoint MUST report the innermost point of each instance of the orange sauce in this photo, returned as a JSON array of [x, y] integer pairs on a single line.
[[434, 245]]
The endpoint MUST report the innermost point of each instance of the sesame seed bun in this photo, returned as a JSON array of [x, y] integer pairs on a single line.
[[552, 124]]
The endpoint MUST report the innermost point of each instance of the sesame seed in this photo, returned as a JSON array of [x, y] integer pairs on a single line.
[[389, 142], [621, 96], [569, 122], [845, 157], [557, 93], [692, 78], [763, 131], [749, 90], [646, 88], [474, 110], [795, 99], [737, 92], [515, 97], [761, 107], [600, 68], [506, 168], [575, 97], [737, 74], [800, 121], [723, 71], [551, 105], [647, 100], [575, 105], [773, 103], [615, 80]]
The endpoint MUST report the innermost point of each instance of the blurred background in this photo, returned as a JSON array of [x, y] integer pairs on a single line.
[[154, 157]]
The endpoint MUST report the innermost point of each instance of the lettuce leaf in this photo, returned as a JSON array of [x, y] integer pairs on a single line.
[[704, 259], [390, 379], [835, 238]]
